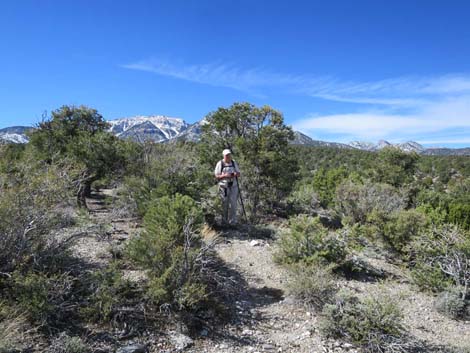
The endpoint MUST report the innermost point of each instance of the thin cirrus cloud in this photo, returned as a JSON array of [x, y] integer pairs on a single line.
[[419, 108]]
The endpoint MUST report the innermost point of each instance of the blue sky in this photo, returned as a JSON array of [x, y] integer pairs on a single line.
[[338, 70]]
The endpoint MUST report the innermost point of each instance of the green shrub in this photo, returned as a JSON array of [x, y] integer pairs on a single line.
[[171, 251], [371, 322], [308, 241], [451, 303], [167, 170], [401, 227], [164, 234], [43, 298], [429, 277], [325, 183], [435, 215], [395, 166], [108, 290], [313, 285], [459, 214]]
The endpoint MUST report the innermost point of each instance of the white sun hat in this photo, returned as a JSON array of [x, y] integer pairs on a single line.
[[226, 151]]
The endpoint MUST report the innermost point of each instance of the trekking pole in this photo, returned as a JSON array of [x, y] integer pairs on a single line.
[[241, 199]]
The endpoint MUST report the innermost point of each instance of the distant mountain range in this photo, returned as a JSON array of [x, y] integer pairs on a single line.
[[166, 129]]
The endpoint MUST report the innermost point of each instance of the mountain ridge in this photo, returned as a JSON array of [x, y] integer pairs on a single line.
[[160, 128]]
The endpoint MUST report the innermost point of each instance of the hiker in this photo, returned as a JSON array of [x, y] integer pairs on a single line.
[[227, 172]]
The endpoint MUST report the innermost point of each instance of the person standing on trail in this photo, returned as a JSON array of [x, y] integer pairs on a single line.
[[227, 172]]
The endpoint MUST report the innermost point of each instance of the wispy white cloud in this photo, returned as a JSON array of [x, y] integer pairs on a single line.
[[396, 109], [218, 74]]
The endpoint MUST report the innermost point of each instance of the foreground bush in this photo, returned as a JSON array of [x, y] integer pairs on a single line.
[[451, 303], [15, 332], [29, 214], [442, 258], [308, 241], [107, 291], [68, 344], [181, 268], [314, 285], [374, 322]]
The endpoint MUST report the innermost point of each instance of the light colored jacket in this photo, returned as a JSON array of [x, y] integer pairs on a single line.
[[223, 167]]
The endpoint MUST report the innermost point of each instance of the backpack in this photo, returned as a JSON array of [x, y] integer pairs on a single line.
[[234, 165]]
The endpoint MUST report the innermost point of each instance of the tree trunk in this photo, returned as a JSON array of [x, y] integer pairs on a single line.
[[84, 191], [81, 196], [87, 190]]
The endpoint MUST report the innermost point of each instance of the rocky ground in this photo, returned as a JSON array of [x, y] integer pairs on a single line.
[[269, 319]]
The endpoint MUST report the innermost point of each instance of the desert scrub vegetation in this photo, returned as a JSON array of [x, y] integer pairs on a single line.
[[16, 333], [166, 170], [68, 344], [441, 263], [184, 274], [374, 322], [398, 228], [312, 285], [308, 241], [355, 202], [106, 293]]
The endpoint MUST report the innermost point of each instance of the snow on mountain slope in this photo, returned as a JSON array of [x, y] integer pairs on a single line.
[[15, 138], [409, 146], [15, 134], [157, 128]]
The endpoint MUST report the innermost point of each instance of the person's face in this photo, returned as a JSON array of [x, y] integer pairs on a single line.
[[228, 157]]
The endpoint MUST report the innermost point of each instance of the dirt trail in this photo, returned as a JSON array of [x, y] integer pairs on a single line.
[[108, 230], [273, 321]]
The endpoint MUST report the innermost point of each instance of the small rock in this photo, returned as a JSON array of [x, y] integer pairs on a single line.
[[268, 347], [181, 341], [255, 243], [133, 348], [204, 332], [247, 332]]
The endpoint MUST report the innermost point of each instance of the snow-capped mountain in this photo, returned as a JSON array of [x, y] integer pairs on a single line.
[[14, 134], [409, 146], [193, 132], [156, 128], [302, 139]]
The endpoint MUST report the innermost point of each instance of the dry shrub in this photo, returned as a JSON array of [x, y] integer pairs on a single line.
[[68, 344], [314, 285], [374, 322], [356, 201], [442, 258], [16, 334], [451, 304]]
